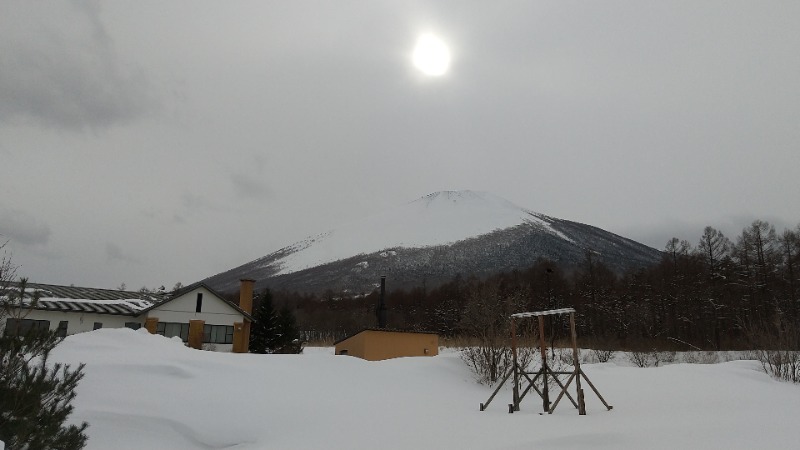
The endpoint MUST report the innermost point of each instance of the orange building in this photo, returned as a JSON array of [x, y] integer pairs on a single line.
[[375, 344]]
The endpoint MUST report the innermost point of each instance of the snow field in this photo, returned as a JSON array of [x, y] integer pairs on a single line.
[[146, 391]]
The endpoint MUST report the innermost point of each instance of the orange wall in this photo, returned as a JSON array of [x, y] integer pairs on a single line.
[[374, 345]]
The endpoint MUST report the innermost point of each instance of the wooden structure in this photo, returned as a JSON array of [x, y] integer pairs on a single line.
[[545, 372]]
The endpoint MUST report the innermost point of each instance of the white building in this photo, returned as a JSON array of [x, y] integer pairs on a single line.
[[197, 314]]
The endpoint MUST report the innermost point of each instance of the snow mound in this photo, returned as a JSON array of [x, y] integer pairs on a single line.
[[146, 391]]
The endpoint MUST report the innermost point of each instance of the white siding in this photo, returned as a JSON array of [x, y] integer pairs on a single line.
[[80, 322], [215, 311]]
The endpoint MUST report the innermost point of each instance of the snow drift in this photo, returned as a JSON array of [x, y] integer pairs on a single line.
[[147, 391]]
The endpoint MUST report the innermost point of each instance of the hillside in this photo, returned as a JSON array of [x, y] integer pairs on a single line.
[[431, 240]]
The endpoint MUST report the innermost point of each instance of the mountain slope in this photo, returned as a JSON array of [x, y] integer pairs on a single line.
[[431, 240]]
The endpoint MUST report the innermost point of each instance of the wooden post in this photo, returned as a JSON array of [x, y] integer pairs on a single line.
[[238, 338], [515, 394], [246, 336], [196, 328], [496, 390], [151, 324], [543, 350], [577, 363]]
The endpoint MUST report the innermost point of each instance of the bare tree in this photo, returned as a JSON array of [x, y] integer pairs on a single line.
[[713, 248], [790, 249], [486, 320], [15, 300], [8, 271], [676, 248]]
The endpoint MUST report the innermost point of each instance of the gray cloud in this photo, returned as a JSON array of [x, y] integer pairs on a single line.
[[115, 253], [65, 73], [249, 187], [23, 228], [199, 204], [650, 120]]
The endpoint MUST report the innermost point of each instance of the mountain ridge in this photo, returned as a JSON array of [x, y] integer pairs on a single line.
[[429, 241]]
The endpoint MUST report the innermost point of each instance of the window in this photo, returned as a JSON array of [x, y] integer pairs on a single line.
[[133, 325], [21, 327], [61, 331], [199, 305], [218, 334], [97, 325], [172, 329]]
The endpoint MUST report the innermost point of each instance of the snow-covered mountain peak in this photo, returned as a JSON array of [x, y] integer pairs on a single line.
[[439, 218], [446, 199], [429, 241]]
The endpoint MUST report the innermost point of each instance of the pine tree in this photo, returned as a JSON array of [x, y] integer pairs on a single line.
[[35, 395], [264, 330], [288, 334]]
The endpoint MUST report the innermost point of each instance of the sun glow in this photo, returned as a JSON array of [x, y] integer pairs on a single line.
[[431, 55]]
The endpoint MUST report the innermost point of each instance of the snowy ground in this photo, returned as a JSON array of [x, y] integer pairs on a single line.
[[146, 391]]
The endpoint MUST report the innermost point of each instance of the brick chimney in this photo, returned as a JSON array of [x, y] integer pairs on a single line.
[[241, 331], [246, 295]]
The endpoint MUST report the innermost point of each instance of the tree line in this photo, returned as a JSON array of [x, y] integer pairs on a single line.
[[719, 293]]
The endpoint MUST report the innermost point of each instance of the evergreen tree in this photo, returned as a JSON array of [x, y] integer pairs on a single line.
[[264, 330], [289, 340], [35, 395]]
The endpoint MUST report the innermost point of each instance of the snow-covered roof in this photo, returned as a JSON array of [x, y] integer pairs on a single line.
[[90, 300], [550, 312]]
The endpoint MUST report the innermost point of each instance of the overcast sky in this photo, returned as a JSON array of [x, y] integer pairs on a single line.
[[152, 142]]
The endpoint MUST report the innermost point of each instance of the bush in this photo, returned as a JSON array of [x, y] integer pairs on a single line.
[[603, 356], [489, 362], [707, 357], [781, 364], [779, 349], [651, 358]]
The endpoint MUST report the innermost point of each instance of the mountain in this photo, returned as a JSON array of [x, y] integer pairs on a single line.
[[431, 240]]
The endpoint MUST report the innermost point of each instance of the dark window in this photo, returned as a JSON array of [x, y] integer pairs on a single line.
[[133, 325], [21, 327], [97, 325], [172, 329], [62, 328], [218, 334], [199, 305]]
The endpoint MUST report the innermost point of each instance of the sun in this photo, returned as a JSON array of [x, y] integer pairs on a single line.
[[431, 55]]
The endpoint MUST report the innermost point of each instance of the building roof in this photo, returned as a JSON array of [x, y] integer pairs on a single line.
[[89, 300], [387, 330], [192, 287]]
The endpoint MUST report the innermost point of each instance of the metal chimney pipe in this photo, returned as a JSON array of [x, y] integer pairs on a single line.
[[382, 306]]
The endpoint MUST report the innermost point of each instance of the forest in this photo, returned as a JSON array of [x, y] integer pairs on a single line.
[[717, 294]]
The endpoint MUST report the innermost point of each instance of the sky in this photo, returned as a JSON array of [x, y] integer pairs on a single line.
[[152, 142]]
